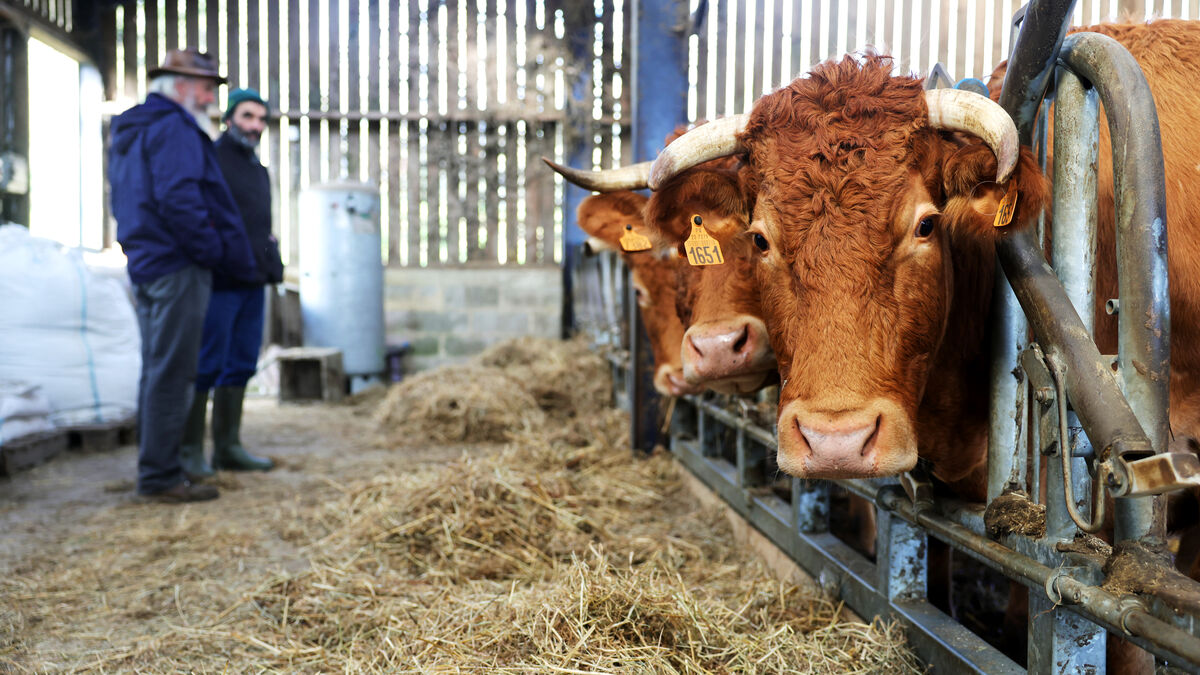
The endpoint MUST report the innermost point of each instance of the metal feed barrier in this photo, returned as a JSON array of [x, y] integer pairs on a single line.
[[1112, 410]]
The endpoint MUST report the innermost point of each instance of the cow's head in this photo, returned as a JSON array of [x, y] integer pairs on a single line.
[[874, 209], [726, 347], [605, 217]]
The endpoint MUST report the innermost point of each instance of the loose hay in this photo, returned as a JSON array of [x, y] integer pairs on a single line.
[[466, 404], [557, 552]]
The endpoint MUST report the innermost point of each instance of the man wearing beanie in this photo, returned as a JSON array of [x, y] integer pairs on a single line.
[[233, 326]]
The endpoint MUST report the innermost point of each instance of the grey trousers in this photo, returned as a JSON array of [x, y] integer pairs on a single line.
[[170, 313]]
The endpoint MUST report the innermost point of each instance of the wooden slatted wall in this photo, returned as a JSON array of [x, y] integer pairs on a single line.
[[446, 105], [742, 49], [55, 14]]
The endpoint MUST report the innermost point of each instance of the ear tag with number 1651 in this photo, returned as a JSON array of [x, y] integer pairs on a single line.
[[701, 247], [632, 241], [1008, 206]]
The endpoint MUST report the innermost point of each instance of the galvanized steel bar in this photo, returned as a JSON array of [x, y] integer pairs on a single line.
[[1076, 153], [1091, 602], [1139, 186]]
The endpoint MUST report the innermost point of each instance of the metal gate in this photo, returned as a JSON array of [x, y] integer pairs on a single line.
[[1111, 410]]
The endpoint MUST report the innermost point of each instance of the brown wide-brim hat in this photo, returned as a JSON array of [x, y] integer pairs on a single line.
[[190, 62]]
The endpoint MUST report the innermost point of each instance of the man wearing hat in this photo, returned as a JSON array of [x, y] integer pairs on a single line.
[[233, 327], [178, 224]]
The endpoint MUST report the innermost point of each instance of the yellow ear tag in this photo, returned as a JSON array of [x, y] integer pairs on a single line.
[[701, 247], [632, 241], [1008, 206]]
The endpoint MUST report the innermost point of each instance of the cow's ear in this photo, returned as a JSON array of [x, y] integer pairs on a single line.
[[604, 216], [973, 198]]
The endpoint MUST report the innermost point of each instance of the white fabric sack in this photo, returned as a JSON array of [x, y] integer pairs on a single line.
[[24, 410], [67, 330]]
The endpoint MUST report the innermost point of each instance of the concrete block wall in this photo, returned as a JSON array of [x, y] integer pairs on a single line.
[[451, 314]]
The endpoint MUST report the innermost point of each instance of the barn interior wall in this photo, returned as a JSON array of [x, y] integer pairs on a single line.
[[449, 314]]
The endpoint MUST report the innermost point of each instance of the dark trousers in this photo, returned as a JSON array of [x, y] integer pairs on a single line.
[[170, 313], [233, 331]]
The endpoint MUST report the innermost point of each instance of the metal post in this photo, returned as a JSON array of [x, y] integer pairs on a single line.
[[660, 83], [1139, 186], [579, 21], [810, 505], [901, 557]]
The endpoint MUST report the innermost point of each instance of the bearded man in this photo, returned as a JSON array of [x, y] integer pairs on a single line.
[[233, 327], [177, 223]]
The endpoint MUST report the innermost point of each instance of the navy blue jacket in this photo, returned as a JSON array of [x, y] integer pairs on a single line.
[[170, 200]]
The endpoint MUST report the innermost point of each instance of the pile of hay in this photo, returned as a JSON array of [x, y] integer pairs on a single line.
[[515, 386], [557, 552]]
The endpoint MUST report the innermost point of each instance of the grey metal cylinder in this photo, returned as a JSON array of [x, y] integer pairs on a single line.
[[341, 277]]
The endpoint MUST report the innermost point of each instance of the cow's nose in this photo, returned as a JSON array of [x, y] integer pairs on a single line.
[[841, 444], [722, 349]]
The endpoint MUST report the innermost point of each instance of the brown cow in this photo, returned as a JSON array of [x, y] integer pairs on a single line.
[[878, 248], [726, 347], [654, 275]]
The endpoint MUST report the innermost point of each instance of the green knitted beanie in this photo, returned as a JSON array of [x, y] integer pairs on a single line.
[[241, 96]]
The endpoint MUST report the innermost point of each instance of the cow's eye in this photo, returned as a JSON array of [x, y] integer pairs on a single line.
[[925, 227], [761, 242]]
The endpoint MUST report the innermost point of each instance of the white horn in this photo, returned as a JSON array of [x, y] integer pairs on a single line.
[[632, 177], [706, 142], [966, 111]]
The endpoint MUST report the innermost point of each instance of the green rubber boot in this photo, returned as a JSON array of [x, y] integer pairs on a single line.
[[191, 448], [228, 453]]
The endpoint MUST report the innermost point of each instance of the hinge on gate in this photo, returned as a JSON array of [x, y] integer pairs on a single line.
[[1147, 475]]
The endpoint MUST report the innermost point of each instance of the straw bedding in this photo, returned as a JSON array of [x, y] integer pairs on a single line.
[[554, 552]]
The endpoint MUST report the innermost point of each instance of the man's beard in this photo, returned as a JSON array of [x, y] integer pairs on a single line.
[[200, 114], [243, 139]]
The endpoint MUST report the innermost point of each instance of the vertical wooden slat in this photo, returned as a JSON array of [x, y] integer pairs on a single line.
[[274, 49], [737, 54], [233, 50], [760, 34], [191, 19], [395, 168], [511, 191], [702, 92], [314, 90], [108, 52], [354, 98], [436, 166], [414, 135], [280, 173], [295, 72], [253, 54], [606, 88], [171, 22], [488, 144], [213, 29], [454, 161], [336, 128], [129, 44], [474, 225], [373, 66], [150, 10], [721, 47]]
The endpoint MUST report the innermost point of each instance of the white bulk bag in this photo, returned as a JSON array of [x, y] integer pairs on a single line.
[[67, 330], [24, 410]]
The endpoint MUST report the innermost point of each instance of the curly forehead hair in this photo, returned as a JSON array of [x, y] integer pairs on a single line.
[[830, 141]]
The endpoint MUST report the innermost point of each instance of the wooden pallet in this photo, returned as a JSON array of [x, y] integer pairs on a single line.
[[102, 437], [27, 451]]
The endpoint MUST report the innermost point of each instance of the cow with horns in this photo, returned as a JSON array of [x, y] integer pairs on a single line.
[[608, 217], [874, 227], [725, 347]]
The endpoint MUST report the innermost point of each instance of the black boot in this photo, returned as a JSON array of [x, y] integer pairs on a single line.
[[191, 448], [228, 453]]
